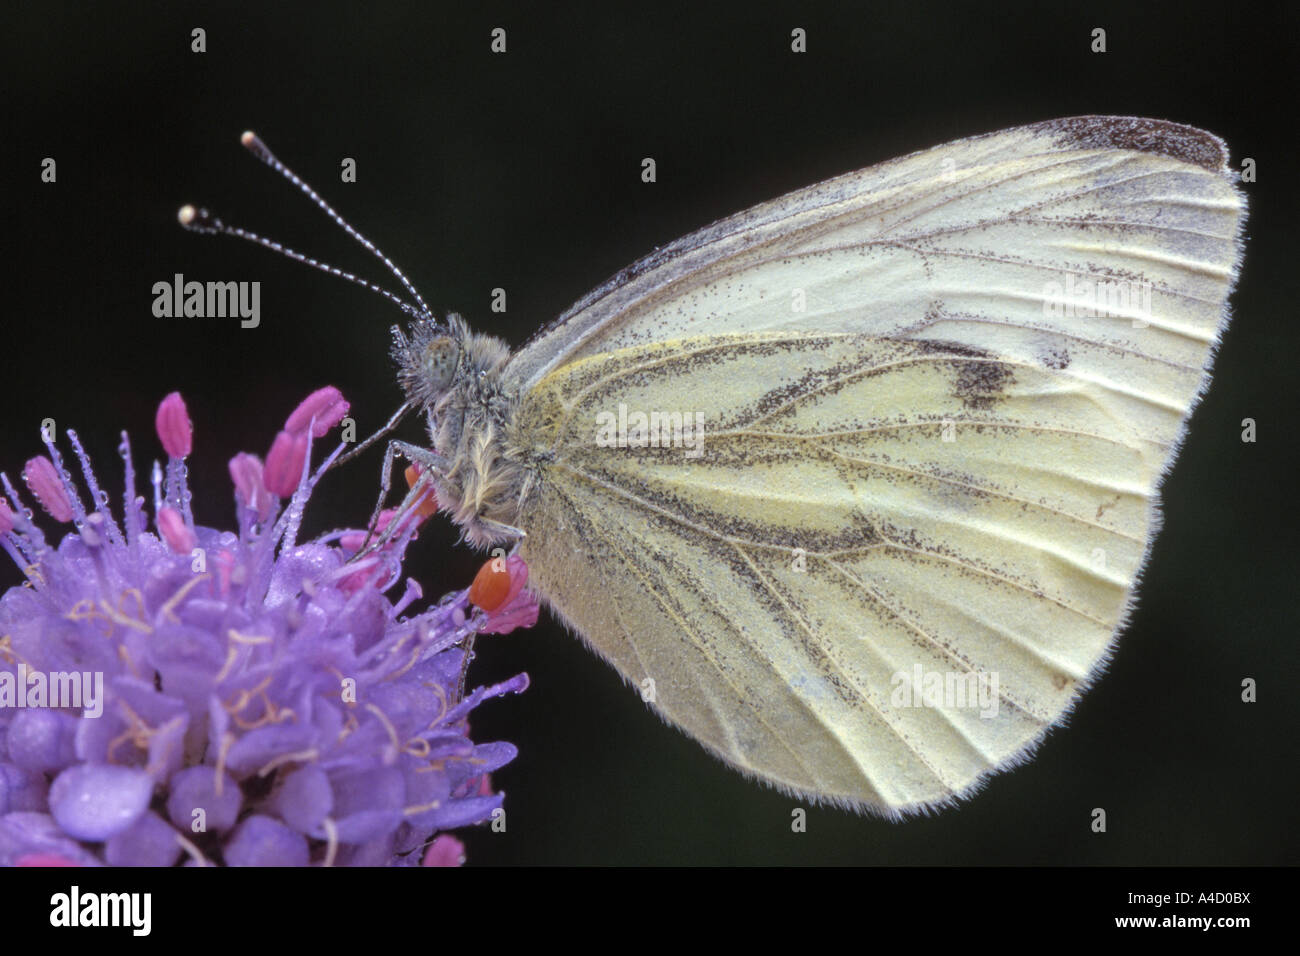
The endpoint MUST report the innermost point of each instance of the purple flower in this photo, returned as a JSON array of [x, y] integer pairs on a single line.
[[182, 694]]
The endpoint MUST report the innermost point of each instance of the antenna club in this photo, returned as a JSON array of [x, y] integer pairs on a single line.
[[253, 143], [186, 214]]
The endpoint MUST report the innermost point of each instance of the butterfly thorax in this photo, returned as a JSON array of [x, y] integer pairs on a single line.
[[455, 377]]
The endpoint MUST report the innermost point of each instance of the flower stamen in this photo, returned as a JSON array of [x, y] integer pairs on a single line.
[[301, 756], [169, 608]]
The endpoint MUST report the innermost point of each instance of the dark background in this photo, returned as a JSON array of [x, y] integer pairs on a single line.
[[522, 171]]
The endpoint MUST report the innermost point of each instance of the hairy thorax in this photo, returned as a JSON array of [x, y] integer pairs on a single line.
[[456, 377]]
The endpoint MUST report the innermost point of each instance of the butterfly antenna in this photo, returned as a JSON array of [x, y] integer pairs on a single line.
[[251, 142], [202, 221]]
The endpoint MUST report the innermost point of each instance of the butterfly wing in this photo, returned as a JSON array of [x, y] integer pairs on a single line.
[[938, 396], [989, 229]]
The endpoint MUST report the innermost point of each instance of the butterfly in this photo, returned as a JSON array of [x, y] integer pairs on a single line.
[[856, 485]]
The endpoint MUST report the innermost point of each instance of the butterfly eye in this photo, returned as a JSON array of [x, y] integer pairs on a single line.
[[439, 363], [427, 358]]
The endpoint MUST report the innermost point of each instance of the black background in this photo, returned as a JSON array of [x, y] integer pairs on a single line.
[[522, 171]]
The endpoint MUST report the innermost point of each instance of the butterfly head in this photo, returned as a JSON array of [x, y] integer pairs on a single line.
[[428, 355]]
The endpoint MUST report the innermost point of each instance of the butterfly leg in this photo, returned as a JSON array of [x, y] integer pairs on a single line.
[[507, 529], [394, 420], [431, 462]]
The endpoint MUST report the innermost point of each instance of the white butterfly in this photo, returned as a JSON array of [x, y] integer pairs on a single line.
[[858, 483]]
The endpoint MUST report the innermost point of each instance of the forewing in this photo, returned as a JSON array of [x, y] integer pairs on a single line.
[[992, 240]]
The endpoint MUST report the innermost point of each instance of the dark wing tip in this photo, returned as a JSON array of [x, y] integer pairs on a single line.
[[1185, 143]]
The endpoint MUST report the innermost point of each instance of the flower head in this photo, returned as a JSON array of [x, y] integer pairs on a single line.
[[177, 693]]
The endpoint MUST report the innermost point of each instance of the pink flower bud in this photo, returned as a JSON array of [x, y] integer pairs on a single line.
[[521, 612], [445, 850], [518, 569], [172, 528], [367, 573], [173, 425], [6, 518], [225, 569], [51, 859], [326, 405], [44, 481], [284, 463], [246, 473], [351, 541], [520, 608]]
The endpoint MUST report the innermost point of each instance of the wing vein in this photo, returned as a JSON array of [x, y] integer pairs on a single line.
[[610, 541]]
